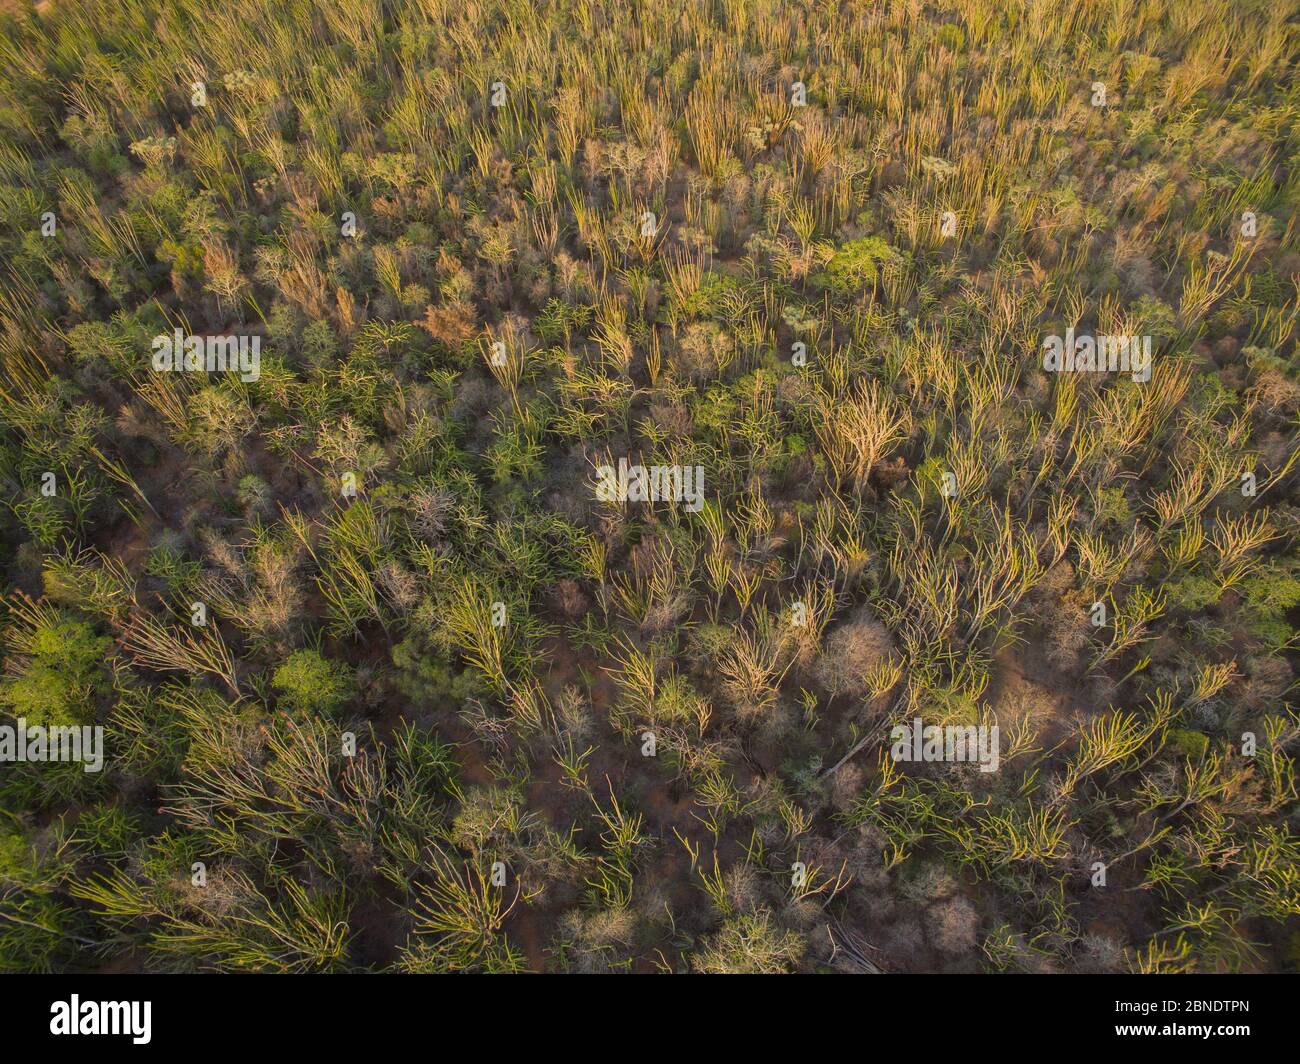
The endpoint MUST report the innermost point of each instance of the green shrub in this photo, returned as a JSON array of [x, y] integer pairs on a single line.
[[1192, 744], [309, 683], [855, 265], [58, 680]]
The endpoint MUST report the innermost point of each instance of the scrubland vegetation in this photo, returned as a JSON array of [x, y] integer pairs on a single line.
[[442, 708]]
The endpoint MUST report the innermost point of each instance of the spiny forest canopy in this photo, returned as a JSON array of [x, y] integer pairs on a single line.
[[936, 366]]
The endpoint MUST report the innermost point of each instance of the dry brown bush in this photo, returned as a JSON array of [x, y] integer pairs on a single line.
[[851, 650], [952, 925]]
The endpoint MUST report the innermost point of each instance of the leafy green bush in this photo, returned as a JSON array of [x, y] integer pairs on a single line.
[[58, 679], [856, 264], [309, 683]]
